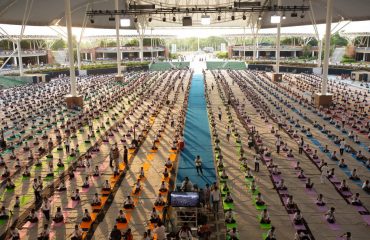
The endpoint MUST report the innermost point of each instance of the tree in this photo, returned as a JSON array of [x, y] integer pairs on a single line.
[[59, 44], [337, 40]]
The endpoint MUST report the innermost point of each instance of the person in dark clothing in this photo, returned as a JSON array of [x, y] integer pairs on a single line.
[[115, 234], [125, 156]]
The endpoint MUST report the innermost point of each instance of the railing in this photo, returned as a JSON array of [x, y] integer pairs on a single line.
[[24, 53]]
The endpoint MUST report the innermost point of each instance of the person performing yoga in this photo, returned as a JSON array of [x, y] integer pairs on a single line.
[[86, 216], [265, 217], [128, 203], [229, 216]]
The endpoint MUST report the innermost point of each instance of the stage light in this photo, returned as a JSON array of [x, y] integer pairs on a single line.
[[164, 19], [275, 19], [244, 17], [294, 14], [92, 20], [111, 18], [150, 19], [125, 22], [259, 17], [205, 20], [232, 17], [135, 19], [174, 19], [219, 18]]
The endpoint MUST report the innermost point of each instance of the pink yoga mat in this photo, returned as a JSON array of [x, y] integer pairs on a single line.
[[332, 226], [72, 204]]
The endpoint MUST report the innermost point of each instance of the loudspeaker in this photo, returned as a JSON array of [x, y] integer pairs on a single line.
[[187, 21]]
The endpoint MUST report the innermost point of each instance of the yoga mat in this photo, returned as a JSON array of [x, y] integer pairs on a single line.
[[197, 138]]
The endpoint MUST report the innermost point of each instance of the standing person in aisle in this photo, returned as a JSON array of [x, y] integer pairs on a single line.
[[198, 165]]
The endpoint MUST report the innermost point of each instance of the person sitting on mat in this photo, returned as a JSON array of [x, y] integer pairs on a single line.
[[359, 155], [86, 216], [354, 175], [281, 185], [225, 188], [341, 163], [165, 173], [356, 200], [259, 200], [121, 218], [137, 187], [367, 164], [314, 156], [301, 174], [96, 200], [265, 217], [366, 186], [77, 233], [154, 216], [106, 186], [228, 198], [224, 175], [4, 213], [86, 184], [298, 218], [128, 203], [62, 185], [285, 147], [141, 175], [60, 163], [6, 172], [159, 201], [275, 170], [26, 172], [229, 216], [326, 150], [76, 195], [96, 172], [253, 186], [271, 234], [17, 202], [163, 187], [17, 163], [220, 164], [58, 217], [290, 153], [290, 203], [309, 184], [320, 200], [334, 156], [168, 163], [50, 169], [297, 166], [329, 215], [9, 184], [248, 173], [32, 216], [343, 186]]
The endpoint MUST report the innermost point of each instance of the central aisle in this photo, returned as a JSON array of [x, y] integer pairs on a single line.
[[197, 138]]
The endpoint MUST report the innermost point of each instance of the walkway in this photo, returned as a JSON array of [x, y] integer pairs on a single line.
[[197, 138]]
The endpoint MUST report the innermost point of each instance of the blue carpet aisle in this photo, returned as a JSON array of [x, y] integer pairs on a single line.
[[197, 138]]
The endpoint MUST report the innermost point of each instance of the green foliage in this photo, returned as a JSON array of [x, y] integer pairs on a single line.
[[222, 55], [59, 44], [132, 43], [347, 59], [337, 40]]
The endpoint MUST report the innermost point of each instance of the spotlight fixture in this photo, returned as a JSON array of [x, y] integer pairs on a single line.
[[275, 19], [164, 18], [174, 18], [111, 18], [232, 17], [302, 15], [205, 20], [294, 14], [135, 19], [244, 17], [219, 18], [150, 19], [125, 22], [92, 20], [259, 17], [284, 17]]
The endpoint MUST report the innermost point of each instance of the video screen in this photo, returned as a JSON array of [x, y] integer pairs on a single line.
[[184, 199]]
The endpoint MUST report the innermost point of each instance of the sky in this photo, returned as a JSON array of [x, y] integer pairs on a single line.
[[363, 26]]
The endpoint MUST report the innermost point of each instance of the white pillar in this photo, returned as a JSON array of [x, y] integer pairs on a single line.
[[294, 54], [319, 62], [277, 55], [78, 57], [244, 45], [119, 56], [364, 57], [103, 56], [141, 47], [15, 58], [329, 12], [19, 49], [86, 56], [257, 46], [70, 48], [38, 60], [198, 45]]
